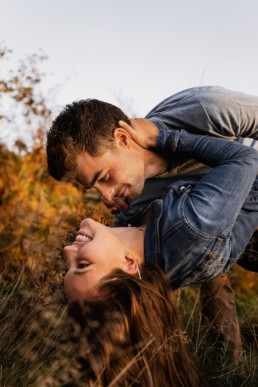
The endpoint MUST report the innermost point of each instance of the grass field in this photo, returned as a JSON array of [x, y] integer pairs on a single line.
[[35, 346]]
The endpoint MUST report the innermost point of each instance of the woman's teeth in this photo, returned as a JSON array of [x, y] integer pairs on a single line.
[[82, 238]]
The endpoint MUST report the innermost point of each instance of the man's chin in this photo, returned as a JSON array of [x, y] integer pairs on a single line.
[[134, 195]]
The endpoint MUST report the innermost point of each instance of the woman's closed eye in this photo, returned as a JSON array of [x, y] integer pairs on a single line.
[[82, 265]]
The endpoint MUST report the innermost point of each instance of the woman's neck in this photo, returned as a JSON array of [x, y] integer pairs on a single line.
[[133, 240]]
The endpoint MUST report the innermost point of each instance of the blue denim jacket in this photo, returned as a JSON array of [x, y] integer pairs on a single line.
[[199, 227], [210, 110]]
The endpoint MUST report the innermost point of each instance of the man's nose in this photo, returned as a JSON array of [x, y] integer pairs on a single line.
[[106, 192]]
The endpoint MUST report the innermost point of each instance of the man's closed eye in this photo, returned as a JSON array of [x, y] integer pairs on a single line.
[[104, 178]]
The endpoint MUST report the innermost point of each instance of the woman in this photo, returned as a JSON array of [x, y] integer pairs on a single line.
[[194, 233], [131, 335]]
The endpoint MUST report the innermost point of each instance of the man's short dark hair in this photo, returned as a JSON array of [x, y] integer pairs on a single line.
[[83, 126]]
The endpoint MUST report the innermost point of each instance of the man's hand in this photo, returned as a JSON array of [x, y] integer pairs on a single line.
[[115, 204], [142, 131]]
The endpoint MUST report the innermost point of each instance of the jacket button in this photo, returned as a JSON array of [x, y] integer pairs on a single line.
[[182, 189]]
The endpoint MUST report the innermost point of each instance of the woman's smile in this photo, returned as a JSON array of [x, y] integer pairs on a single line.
[[82, 238]]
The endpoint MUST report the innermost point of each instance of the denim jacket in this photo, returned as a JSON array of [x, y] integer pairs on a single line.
[[204, 110], [199, 227]]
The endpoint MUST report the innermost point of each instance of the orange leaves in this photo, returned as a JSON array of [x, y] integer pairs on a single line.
[[36, 211]]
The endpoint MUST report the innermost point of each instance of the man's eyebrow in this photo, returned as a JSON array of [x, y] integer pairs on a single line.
[[94, 179]]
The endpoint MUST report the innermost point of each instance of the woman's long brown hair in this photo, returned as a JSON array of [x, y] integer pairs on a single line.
[[130, 335]]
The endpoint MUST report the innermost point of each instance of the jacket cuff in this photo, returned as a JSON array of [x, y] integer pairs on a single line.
[[167, 140]]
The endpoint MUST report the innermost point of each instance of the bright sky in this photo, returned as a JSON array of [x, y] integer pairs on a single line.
[[134, 53]]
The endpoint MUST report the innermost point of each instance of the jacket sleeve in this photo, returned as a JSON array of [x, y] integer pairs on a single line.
[[215, 201], [210, 110]]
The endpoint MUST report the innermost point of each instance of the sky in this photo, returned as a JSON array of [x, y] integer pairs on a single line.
[[134, 53]]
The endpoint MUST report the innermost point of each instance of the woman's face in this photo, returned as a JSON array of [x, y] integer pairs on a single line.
[[96, 251]]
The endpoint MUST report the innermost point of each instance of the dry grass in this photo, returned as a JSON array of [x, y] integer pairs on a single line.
[[35, 344]]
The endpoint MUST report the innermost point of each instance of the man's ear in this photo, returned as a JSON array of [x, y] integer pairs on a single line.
[[131, 263], [122, 138]]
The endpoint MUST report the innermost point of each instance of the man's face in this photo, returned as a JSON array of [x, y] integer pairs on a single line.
[[117, 173]]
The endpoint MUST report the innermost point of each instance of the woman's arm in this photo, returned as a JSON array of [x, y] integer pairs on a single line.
[[215, 201], [220, 194], [209, 110]]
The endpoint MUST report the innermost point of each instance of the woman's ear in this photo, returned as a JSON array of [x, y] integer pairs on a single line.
[[131, 263]]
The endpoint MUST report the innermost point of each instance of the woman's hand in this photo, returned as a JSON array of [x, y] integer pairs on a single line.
[[142, 131]]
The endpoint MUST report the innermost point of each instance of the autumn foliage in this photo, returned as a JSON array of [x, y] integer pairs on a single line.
[[38, 217], [37, 212]]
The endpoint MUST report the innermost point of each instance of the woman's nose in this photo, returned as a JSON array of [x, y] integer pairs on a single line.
[[70, 250], [70, 253]]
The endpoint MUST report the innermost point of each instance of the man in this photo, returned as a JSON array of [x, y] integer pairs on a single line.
[[89, 142]]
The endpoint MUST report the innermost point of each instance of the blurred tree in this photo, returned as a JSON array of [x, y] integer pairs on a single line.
[[22, 104], [36, 212]]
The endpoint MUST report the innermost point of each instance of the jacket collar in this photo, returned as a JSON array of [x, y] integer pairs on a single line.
[[152, 234]]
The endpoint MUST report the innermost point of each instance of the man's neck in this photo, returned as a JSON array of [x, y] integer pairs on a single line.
[[155, 164]]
